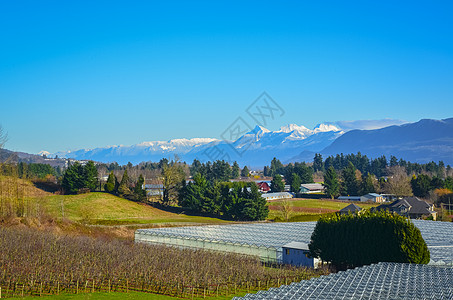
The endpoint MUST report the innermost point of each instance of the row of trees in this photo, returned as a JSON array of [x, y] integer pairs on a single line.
[[125, 188], [237, 201], [219, 170], [379, 166]]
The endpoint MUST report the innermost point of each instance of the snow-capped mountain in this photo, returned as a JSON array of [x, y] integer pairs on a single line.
[[256, 147]]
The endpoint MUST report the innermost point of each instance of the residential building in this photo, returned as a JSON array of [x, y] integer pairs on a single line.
[[351, 208], [410, 207]]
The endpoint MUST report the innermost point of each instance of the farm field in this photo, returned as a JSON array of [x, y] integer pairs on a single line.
[[106, 209], [310, 209], [41, 263]]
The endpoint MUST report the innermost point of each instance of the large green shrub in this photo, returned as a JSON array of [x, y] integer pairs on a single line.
[[355, 240]]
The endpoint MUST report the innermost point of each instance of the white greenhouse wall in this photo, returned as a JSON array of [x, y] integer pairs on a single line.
[[266, 254]]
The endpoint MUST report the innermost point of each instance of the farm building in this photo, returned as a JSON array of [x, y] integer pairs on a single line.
[[310, 188], [296, 254], [349, 198], [373, 197], [264, 187], [154, 189], [277, 196], [266, 240]]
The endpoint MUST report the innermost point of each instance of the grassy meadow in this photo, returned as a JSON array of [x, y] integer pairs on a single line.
[[106, 209]]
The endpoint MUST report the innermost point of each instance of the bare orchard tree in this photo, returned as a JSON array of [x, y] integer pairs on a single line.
[[398, 182], [285, 208]]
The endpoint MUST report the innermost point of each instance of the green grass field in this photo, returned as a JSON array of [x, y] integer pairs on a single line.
[[311, 209], [107, 209], [121, 296]]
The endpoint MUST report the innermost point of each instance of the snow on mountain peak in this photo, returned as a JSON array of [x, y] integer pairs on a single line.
[[44, 152], [293, 127], [325, 128], [259, 130]]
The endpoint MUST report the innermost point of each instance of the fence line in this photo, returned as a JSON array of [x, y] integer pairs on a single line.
[[9, 289]]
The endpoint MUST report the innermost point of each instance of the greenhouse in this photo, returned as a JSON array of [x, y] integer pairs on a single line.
[[379, 281], [266, 240]]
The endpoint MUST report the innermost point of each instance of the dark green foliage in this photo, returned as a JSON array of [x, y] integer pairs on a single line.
[[350, 184], [436, 183], [295, 183], [277, 184], [448, 183], [367, 185], [276, 167], [237, 201], [90, 176], [123, 188], [318, 164], [235, 171], [78, 178], [305, 173], [331, 183], [421, 185], [245, 172], [349, 241], [73, 179], [110, 185], [139, 192], [33, 171]]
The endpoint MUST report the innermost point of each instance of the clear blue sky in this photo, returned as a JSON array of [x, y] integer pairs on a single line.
[[84, 74]]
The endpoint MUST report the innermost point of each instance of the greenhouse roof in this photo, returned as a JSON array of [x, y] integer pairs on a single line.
[[380, 281], [438, 235]]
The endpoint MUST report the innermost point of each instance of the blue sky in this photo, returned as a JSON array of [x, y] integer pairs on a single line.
[[84, 74]]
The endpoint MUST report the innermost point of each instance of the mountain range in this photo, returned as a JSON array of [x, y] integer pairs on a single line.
[[422, 141]]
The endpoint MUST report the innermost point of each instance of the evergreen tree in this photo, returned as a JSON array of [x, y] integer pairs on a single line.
[[109, 186], [331, 184], [295, 183], [139, 192], [245, 172], [277, 184], [368, 184], [73, 179], [195, 167], [305, 173], [90, 175], [123, 188], [421, 185], [349, 241], [235, 171], [318, 164], [276, 167], [350, 184]]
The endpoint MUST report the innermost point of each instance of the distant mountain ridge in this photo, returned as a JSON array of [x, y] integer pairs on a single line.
[[255, 148], [422, 141]]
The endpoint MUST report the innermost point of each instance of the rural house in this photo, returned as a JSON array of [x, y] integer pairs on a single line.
[[351, 208], [410, 207]]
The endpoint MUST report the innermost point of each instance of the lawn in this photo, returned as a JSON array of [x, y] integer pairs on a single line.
[[106, 209], [120, 296]]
